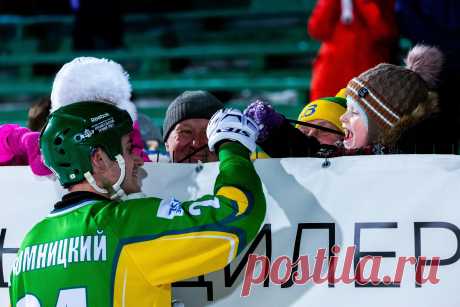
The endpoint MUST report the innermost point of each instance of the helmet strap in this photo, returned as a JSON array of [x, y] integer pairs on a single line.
[[118, 191], [92, 182]]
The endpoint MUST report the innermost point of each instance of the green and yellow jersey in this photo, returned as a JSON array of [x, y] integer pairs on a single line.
[[91, 251]]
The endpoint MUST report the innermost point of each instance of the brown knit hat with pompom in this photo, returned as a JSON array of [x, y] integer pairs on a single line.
[[396, 98]]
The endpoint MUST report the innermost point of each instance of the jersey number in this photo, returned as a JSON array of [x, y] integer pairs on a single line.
[[67, 298]]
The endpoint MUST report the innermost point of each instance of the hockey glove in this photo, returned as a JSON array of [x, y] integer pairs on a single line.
[[232, 125]]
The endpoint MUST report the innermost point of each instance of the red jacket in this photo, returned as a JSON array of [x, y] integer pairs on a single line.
[[348, 50]]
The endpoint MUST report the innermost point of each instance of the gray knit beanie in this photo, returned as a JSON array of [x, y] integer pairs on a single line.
[[190, 104]]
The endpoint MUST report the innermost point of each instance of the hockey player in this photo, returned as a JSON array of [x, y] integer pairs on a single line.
[[100, 248]]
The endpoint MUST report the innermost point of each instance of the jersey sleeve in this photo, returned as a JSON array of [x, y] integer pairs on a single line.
[[168, 240]]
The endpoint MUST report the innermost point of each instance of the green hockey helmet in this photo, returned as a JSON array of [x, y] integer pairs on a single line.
[[74, 131]]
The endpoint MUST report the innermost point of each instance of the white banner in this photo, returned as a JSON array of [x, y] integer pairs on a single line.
[[385, 206]]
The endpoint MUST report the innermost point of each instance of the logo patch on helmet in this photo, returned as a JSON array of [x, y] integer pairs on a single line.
[[104, 125], [99, 117], [84, 135]]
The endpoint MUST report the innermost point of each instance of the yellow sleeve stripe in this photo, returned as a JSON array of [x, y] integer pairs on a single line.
[[232, 240], [180, 256], [236, 195]]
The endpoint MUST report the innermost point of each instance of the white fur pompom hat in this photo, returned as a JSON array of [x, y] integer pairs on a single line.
[[92, 79]]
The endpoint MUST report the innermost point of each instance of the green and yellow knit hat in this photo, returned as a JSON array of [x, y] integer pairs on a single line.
[[328, 108]]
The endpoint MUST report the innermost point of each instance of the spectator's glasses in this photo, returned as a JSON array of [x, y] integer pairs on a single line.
[[316, 127], [190, 155]]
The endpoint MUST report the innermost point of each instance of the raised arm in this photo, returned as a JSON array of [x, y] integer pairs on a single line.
[[169, 240]]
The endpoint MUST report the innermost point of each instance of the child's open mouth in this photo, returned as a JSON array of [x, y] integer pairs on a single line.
[[347, 141], [348, 135]]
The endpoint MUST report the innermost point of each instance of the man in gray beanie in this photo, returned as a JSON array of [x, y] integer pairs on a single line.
[[184, 127]]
